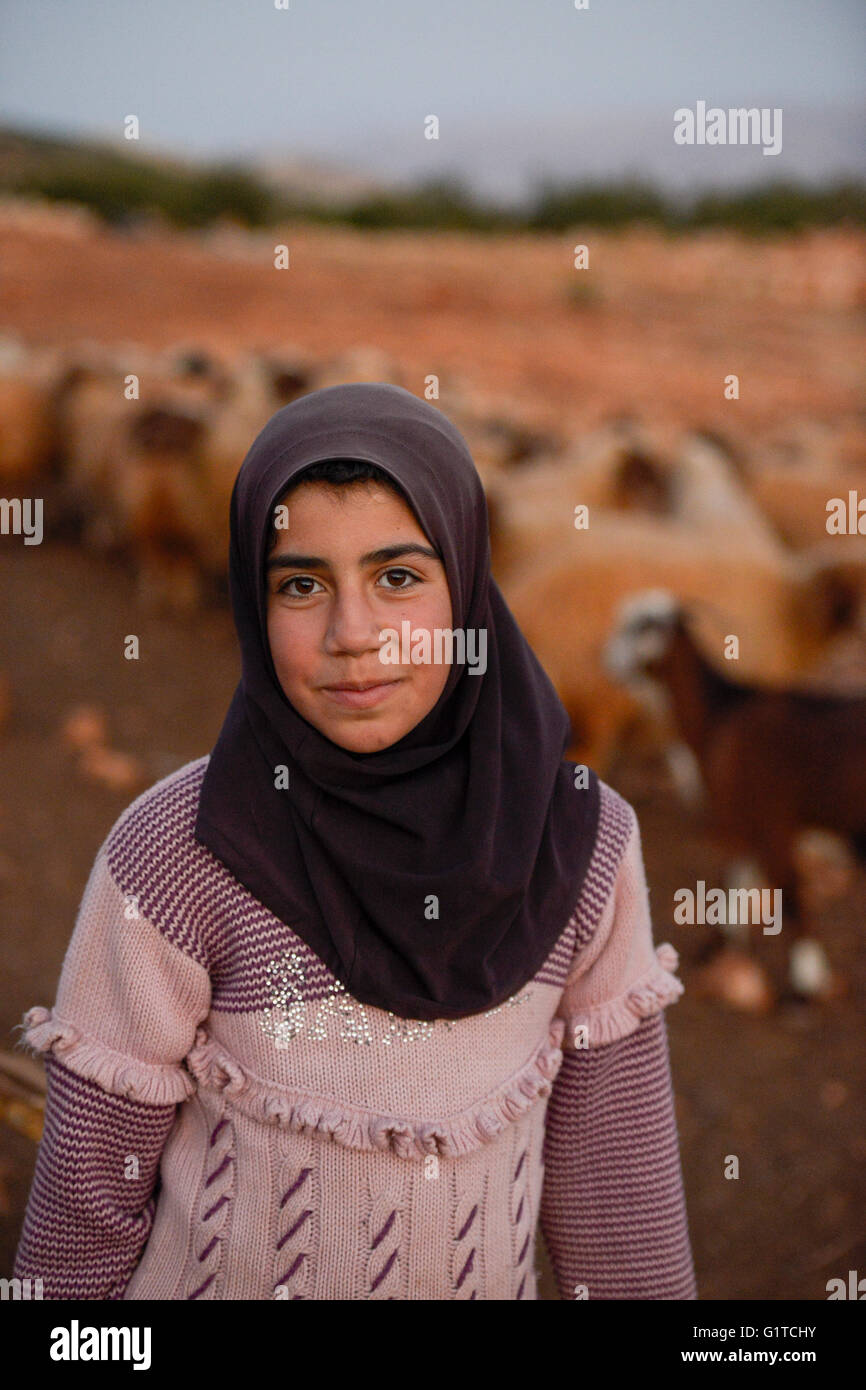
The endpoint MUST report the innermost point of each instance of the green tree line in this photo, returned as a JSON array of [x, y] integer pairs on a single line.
[[124, 189]]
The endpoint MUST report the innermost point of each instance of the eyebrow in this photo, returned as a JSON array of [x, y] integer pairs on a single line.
[[372, 557]]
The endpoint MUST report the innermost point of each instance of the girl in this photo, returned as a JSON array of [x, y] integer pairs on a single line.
[[356, 1002]]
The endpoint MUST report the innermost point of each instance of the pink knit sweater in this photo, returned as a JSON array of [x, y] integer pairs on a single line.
[[225, 1121]]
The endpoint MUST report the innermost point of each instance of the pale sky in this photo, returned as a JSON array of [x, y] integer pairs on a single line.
[[519, 86]]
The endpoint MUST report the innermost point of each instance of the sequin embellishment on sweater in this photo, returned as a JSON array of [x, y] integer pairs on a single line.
[[285, 1020]]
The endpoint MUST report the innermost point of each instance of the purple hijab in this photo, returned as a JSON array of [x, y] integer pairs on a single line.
[[475, 804]]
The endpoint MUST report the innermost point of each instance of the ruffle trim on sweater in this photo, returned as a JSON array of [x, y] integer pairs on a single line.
[[359, 1128], [153, 1083], [618, 1017]]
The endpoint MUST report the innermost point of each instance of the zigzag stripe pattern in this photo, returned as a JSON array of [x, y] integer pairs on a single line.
[[612, 1210], [143, 848], [193, 899], [86, 1224], [616, 822]]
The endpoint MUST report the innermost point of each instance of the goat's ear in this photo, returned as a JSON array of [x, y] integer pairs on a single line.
[[832, 598]]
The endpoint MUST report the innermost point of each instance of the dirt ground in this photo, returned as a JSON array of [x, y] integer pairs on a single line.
[[652, 330], [785, 1093]]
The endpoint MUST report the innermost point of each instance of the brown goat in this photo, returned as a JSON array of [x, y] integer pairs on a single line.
[[774, 763]]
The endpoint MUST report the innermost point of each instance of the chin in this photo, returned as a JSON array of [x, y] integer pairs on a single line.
[[358, 734], [355, 735], [368, 739]]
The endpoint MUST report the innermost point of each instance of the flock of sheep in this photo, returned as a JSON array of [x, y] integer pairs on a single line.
[[733, 535], [687, 596]]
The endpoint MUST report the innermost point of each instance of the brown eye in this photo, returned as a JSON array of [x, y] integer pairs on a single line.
[[297, 579], [406, 574]]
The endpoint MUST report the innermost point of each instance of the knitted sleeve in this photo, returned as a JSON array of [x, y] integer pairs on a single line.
[[613, 1211], [126, 1012]]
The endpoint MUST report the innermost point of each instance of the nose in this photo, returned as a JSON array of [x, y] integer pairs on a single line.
[[353, 626]]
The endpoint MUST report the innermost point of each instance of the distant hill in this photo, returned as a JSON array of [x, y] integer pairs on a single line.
[[26, 156], [123, 182], [316, 180]]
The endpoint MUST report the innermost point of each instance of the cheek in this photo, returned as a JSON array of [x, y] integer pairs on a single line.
[[436, 611], [288, 648], [437, 614], [435, 675]]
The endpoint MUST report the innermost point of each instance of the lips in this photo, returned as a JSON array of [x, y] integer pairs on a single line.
[[360, 694], [355, 685]]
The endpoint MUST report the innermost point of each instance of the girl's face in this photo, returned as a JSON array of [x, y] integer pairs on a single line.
[[351, 562]]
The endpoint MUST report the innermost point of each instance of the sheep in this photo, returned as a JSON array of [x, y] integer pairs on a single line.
[[710, 496], [204, 374], [153, 476], [158, 496], [185, 482], [94, 418], [360, 363], [692, 480], [132, 470], [533, 509], [794, 496], [32, 381], [25, 437], [40, 217], [231, 428], [291, 373], [787, 611], [775, 763]]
